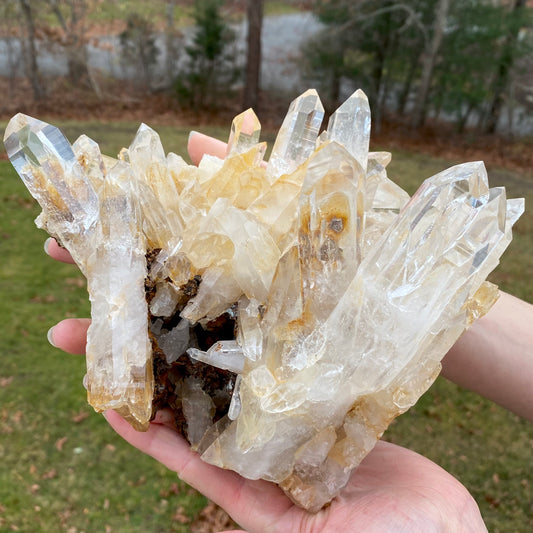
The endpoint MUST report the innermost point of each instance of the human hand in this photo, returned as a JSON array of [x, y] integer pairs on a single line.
[[394, 489]]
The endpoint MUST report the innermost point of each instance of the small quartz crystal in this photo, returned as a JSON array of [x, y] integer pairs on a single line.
[[286, 311]]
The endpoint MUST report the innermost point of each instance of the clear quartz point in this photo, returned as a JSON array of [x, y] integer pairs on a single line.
[[101, 233], [245, 132], [226, 355], [50, 170], [350, 126], [343, 294], [235, 405], [297, 136]]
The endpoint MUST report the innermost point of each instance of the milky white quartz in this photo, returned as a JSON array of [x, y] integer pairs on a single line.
[[346, 292]]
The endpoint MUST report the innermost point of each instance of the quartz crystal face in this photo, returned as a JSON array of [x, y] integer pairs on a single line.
[[286, 311]]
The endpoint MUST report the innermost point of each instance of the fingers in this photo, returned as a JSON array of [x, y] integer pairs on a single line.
[[70, 335], [200, 144], [164, 417], [252, 504], [56, 252]]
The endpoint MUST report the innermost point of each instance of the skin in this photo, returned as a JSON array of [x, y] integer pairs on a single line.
[[495, 356], [393, 490]]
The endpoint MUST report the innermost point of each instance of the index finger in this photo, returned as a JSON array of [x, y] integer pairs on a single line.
[[52, 248], [200, 144]]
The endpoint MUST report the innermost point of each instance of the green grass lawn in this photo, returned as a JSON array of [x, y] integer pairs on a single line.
[[63, 469]]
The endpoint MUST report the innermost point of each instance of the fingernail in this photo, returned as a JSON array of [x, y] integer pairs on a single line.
[[192, 134], [47, 244], [50, 336]]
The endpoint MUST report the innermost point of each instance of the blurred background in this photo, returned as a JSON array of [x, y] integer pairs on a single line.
[[448, 81]]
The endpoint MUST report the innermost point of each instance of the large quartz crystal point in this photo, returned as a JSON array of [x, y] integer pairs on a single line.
[[330, 228], [350, 126], [383, 200], [119, 354], [297, 136], [102, 235], [412, 298], [162, 223], [282, 323], [88, 154], [46, 163], [433, 251]]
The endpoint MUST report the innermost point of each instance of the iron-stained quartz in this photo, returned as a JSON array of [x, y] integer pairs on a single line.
[[286, 310]]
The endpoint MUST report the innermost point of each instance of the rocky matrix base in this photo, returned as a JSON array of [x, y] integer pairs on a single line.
[[286, 310]]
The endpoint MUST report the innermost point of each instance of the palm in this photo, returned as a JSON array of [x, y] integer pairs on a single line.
[[394, 489]]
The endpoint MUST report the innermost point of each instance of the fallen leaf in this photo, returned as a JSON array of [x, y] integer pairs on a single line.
[[82, 415], [138, 483], [180, 516], [60, 443], [51, 474], [4, 382], [492, 501], [77, 282], [173, 489], [212, 518]]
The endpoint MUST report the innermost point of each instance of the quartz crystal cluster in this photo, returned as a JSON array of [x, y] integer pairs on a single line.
[[286, 310]]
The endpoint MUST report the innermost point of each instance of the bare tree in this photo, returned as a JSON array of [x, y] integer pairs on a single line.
[[253, 57], [428, 62], [30, 63]]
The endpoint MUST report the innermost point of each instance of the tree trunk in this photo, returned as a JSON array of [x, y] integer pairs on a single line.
[[463, 118], [253, 57], [428, 63], [74, 44], [170, 42], [407, 84], [32, 69], [505, 66]]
